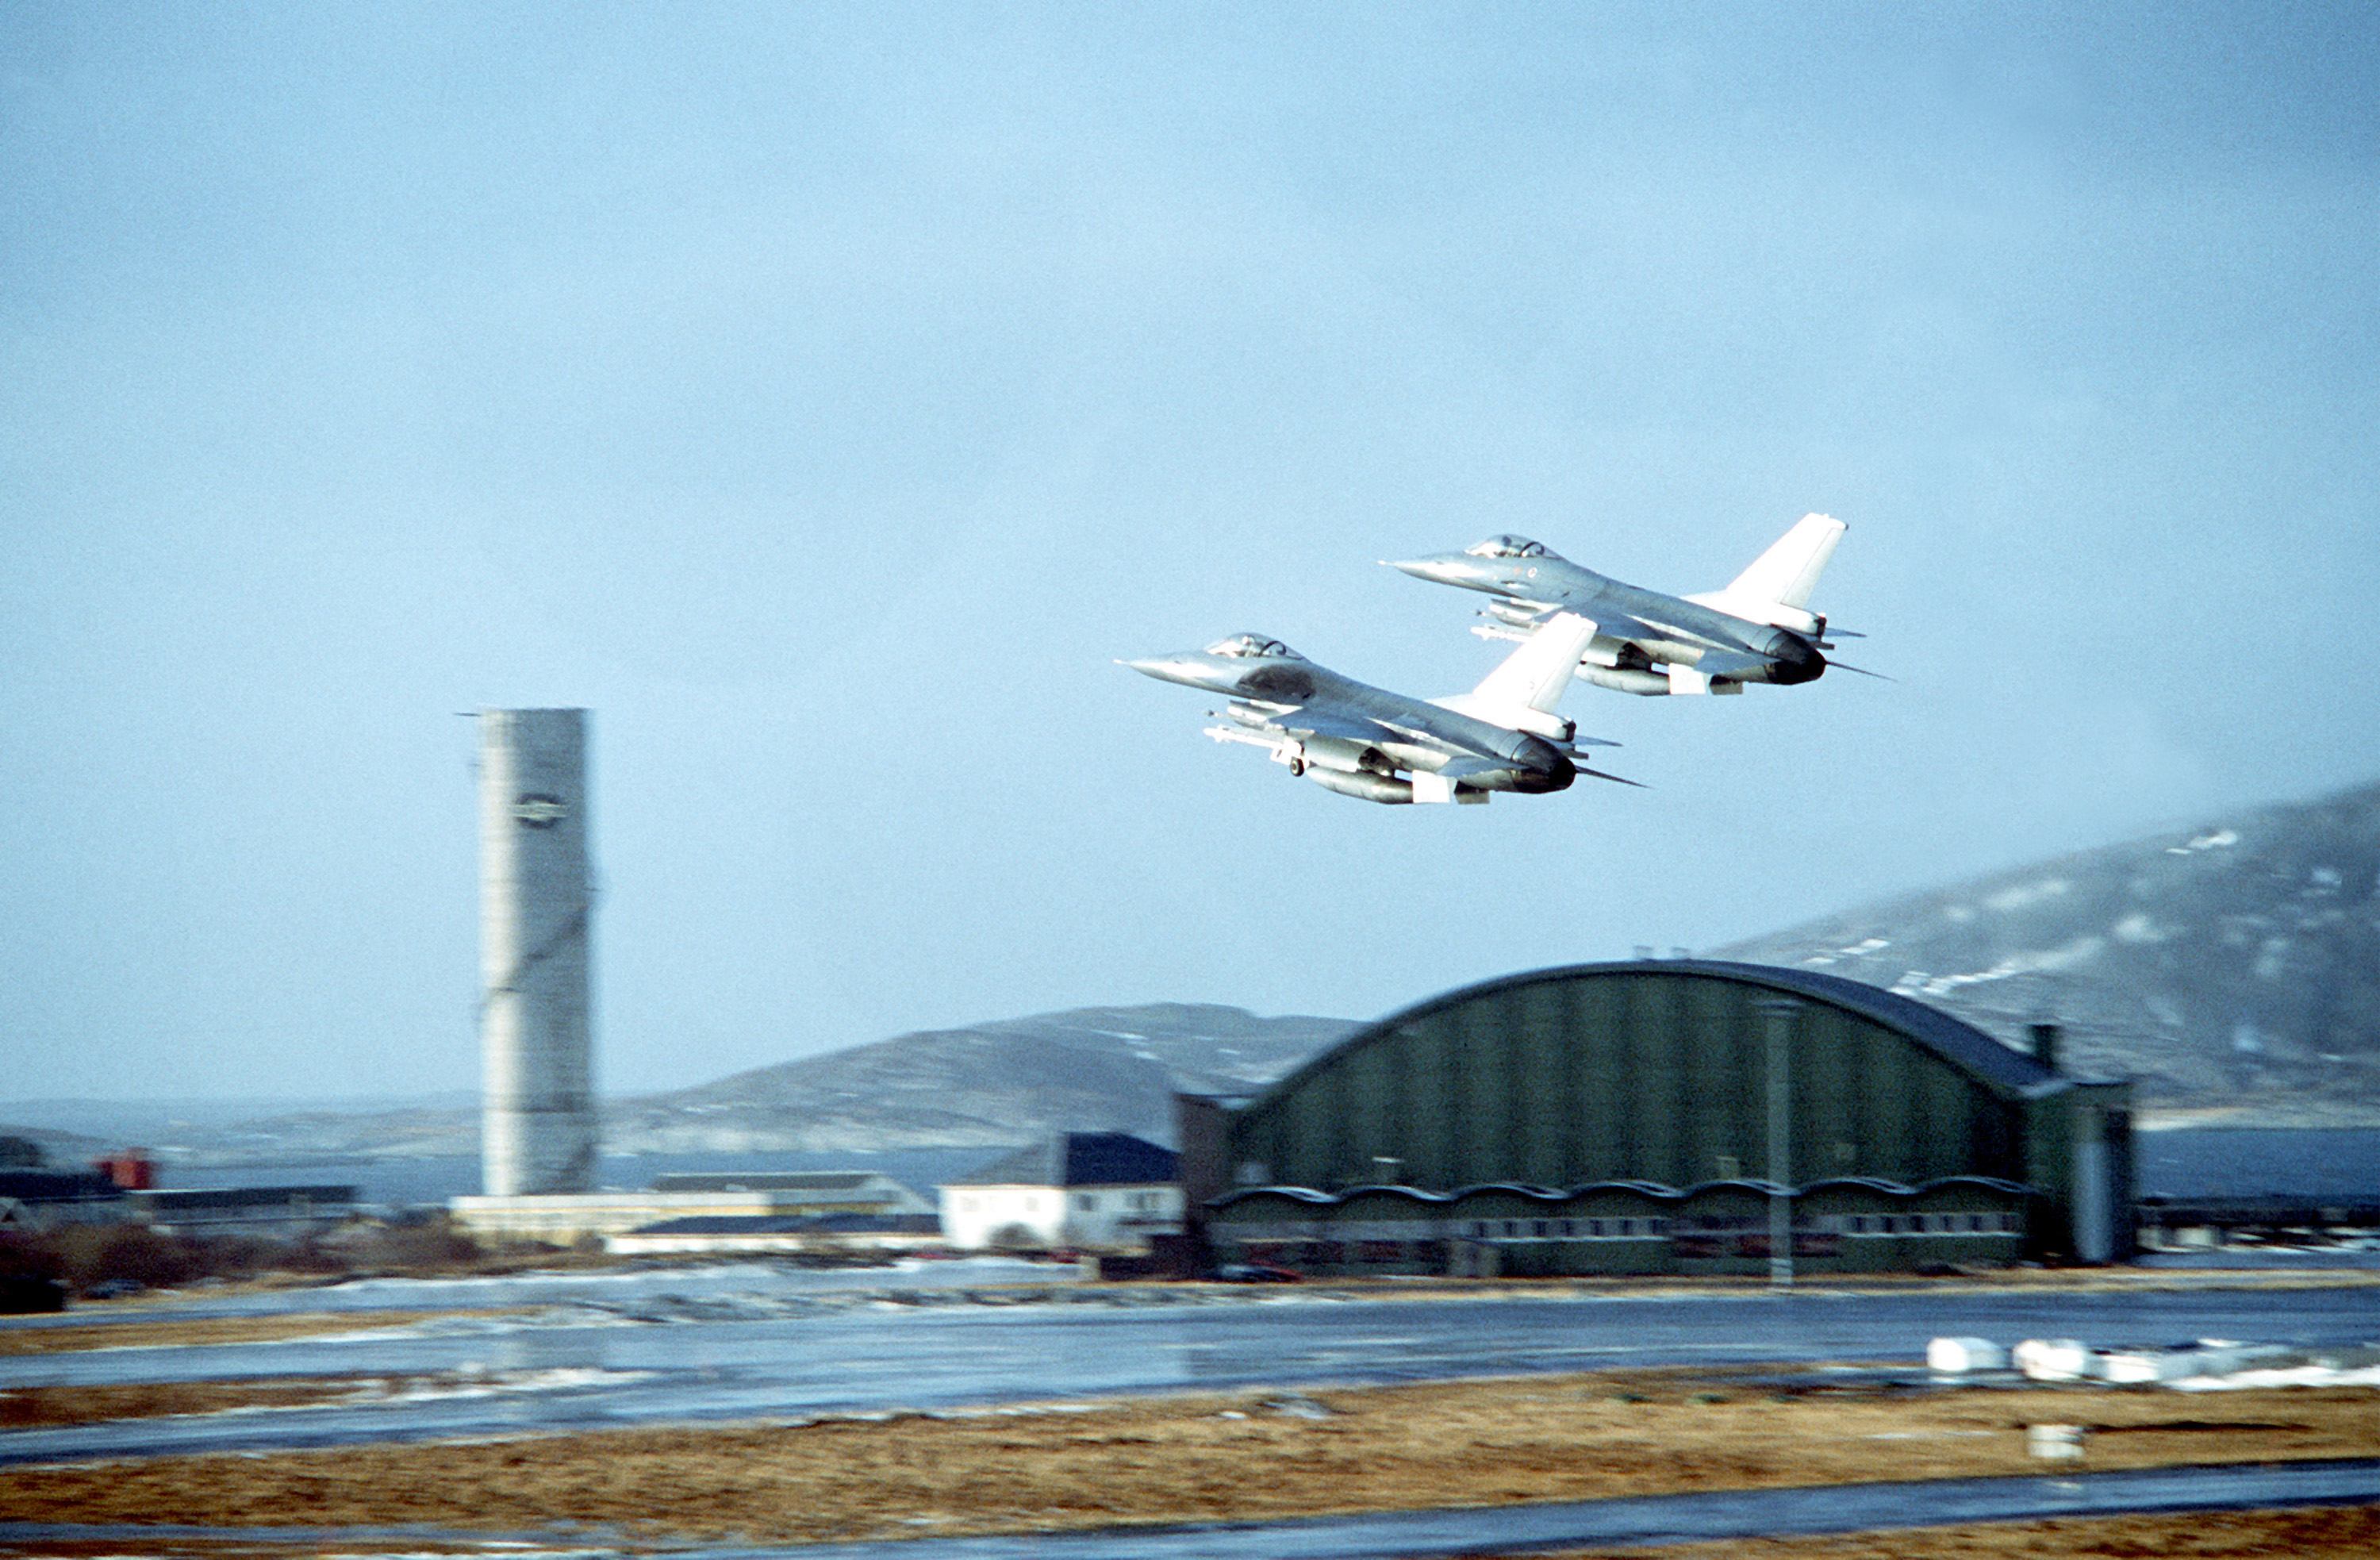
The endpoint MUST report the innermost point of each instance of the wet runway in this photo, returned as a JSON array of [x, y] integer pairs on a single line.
[[752, 1341]]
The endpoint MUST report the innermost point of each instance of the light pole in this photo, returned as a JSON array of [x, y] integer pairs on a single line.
[[1781, 1013]]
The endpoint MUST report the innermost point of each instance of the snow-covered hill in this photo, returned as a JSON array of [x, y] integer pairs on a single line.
[[2233, 967]]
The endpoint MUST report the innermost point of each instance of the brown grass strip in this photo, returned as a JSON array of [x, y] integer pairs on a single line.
[[153, 1331], [1246, 1456], [51, 1407]]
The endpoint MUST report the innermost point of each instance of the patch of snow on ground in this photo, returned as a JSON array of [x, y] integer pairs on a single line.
[[2315, 1374], [2046, 961], [2026, 896], [2138, 927]]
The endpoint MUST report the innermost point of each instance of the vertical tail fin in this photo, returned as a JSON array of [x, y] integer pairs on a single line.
[[1536, 676], [1788, 572]]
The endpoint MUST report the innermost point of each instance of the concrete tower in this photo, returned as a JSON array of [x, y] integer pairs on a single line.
[[535, 900]]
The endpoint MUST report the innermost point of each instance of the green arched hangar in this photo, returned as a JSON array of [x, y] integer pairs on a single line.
[[1638, 1117]]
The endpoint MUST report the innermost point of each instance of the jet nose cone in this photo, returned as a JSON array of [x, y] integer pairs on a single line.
[[1183, 666], [1445, 567], [1169, 667]]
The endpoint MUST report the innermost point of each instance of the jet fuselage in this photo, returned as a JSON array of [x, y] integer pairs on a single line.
[[1661, 628], [1349, 728]]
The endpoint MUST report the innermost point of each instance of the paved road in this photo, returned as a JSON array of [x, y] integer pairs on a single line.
[[691, 1346]]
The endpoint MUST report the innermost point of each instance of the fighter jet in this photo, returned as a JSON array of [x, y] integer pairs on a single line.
[[1758, 630], [1363, 742]]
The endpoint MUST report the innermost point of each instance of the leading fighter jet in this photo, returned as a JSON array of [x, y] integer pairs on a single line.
[[1758, 630], [1363, 741]]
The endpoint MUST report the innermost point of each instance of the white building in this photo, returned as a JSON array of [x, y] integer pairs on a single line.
[[1075, 1189]]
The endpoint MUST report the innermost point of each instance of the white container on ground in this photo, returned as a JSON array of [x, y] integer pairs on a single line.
[[2053, 1360], [1955, 1355]]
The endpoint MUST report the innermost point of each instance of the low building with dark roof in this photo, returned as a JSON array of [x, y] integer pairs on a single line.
[[34, 1199], [1082, 1190], [291, 1211]]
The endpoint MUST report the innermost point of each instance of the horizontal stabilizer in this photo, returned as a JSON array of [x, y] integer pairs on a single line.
[[1511, 717]]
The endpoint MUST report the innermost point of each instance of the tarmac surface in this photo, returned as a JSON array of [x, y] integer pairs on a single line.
[[750, 1342]]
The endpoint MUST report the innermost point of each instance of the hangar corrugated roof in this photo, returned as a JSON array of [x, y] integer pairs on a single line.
[[1954, 1039]]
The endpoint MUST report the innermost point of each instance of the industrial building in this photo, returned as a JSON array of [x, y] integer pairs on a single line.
[[1641, 1117]]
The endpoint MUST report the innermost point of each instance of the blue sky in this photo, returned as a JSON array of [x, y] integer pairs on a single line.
[[826, 396]]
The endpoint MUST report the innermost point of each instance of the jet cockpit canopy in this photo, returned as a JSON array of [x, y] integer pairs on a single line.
[[1252, 646], [1507, 547]]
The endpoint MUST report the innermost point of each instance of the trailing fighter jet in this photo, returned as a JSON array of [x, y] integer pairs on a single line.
[[1362, 741], [1758, 630]]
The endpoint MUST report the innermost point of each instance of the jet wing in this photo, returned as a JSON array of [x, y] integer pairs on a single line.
[[1608, 625], [1620, 625]]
